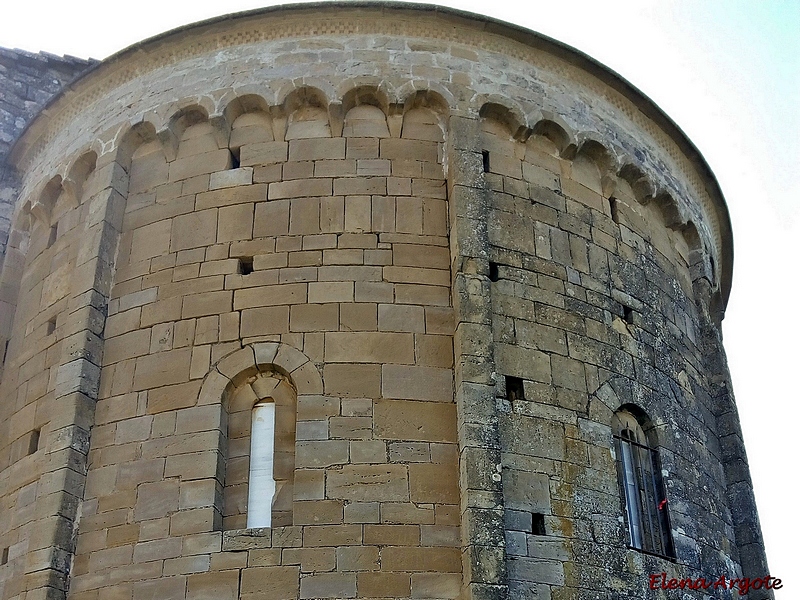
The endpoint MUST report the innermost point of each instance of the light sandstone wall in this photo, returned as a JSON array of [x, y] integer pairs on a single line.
[[425, 200]]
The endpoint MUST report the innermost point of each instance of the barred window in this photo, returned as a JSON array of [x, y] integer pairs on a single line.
[[642, 490]]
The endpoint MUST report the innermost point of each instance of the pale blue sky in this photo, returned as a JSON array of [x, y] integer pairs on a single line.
[[726, 71]]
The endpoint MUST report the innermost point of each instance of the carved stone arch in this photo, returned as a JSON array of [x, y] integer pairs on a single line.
[[322, 89], [426, 115], [692, 236], [42, 207], [21, 221], [248, 119], [434, 97], [140, 133], [188, 115], [641, 185], [294, 96], [643, 418], [285, 358], [244, 104], [356, 92], [553, 129], [506, 113], [306, 113], [365, 113], [669, 209], [248, 373], [78, 174], [696, 257], [590, 148]]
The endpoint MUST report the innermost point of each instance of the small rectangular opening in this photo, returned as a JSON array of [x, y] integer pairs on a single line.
[[4, 556], [33, 442], [515, 389], [53, 235], [494, 272], [5, 351], [51, 326], [485, 154], [537, 524], [245, 265], [627, 313], [612, 203], [235, 159]]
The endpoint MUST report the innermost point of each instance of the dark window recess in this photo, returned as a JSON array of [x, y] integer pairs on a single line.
[[245, 265], [53, 235], [537, 524], [515, 390], [494, 272], [627, 313], [234, 159], [5, 350], [641, 486], [485, 154], [33, 442], [612, 203], [51, 326], [4, 556]]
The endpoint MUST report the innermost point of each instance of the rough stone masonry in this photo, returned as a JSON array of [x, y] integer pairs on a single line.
[[477, 275]]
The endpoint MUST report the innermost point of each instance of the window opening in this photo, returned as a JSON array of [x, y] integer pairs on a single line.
[[485, 154], [642, 491], [53, 235], [515, 389], [33, 441], [537, 524], [612, 203], [4, 556], [627, 313], [494, 272], [235, 159], [259, 457], [261, 483], [245, 265], [51, 326]]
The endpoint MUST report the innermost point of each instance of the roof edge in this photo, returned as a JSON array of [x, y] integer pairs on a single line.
[[491, 25]]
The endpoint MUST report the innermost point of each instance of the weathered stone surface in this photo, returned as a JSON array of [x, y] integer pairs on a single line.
[[420, 299]]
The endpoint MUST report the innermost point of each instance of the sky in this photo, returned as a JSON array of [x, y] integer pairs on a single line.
[[726, 71]]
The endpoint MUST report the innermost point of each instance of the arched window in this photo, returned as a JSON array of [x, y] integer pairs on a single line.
[[261, 483], [259, 473], [642, 490]]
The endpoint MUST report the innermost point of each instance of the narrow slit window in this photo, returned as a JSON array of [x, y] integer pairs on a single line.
[[261, 490], [494, 272], [258, 489], [53, 235], [235, 159], [515, 389], [4, 556], [537, 524], [33, 441], [612, 203], [51, 326], [486, 165]]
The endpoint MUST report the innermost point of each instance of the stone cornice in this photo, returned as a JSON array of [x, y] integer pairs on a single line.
[[398, 20]]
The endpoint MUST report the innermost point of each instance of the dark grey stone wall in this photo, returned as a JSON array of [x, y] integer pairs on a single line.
[[27, 82]]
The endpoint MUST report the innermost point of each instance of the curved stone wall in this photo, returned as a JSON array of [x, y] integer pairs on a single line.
[[455, 249]]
